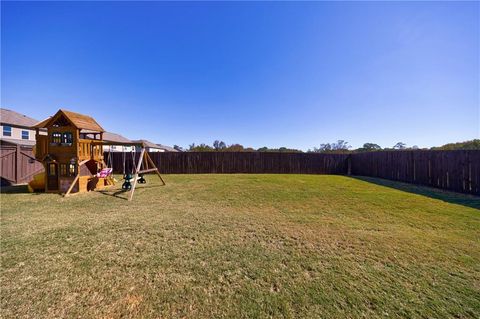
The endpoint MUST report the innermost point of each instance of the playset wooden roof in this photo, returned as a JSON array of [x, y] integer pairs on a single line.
[[80, 121]]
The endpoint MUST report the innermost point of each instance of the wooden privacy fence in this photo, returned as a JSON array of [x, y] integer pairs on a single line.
[[17, 164], [457, 171], [238, 162]]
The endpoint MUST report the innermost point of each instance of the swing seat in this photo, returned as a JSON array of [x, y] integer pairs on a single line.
[[105, 172], [127, 185], [141, 179]]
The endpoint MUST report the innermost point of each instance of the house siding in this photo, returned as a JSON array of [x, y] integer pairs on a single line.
[[117, 148], [17, 133]]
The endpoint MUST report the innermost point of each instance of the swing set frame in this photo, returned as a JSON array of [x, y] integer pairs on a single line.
[[144, 158]]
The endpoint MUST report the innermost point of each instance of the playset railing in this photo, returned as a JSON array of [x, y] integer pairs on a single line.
[[88, 150]]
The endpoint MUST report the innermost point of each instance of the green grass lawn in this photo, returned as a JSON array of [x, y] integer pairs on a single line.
[[245, 246]]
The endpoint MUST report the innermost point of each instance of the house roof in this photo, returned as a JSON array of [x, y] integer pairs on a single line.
[[114, 137], [14, 118], [80, 121], [167, 148], [146, 143]]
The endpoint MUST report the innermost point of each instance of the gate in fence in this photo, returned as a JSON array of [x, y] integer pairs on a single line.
[[17, 164]]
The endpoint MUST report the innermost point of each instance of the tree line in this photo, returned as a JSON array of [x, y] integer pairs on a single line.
[[340, 146]]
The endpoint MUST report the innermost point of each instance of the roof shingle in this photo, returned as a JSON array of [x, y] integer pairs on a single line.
[[14, 118], [147, 143], [113, 137], [80, 121]]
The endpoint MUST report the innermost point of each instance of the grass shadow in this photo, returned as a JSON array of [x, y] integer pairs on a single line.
[[446, 196], [122, 191], [16, 189], [114, 194]]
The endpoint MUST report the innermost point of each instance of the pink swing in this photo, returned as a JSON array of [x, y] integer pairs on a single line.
[[105, 172]]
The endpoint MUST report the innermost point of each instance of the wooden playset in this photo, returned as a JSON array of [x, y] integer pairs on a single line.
[[70, 146]]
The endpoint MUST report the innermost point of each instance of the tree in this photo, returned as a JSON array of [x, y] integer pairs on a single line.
[[178, 148], [400, 146], [200, 148], [322, 148], [341, 145], [281, 149], [369, 147], [467, 145], [235, 148], [219, 145]]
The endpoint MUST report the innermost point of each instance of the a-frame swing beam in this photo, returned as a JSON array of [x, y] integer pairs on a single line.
[[143, 154], [139, 164], [149, 170], [149, 159]]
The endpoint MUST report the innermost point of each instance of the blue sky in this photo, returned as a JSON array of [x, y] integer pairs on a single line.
[[258, 74]]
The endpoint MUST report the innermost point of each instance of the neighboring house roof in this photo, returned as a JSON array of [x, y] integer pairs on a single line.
[[80, 121], [17, 141], [146, 143], [16, 119], [149, 144], [167, 148], [113, 137]]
